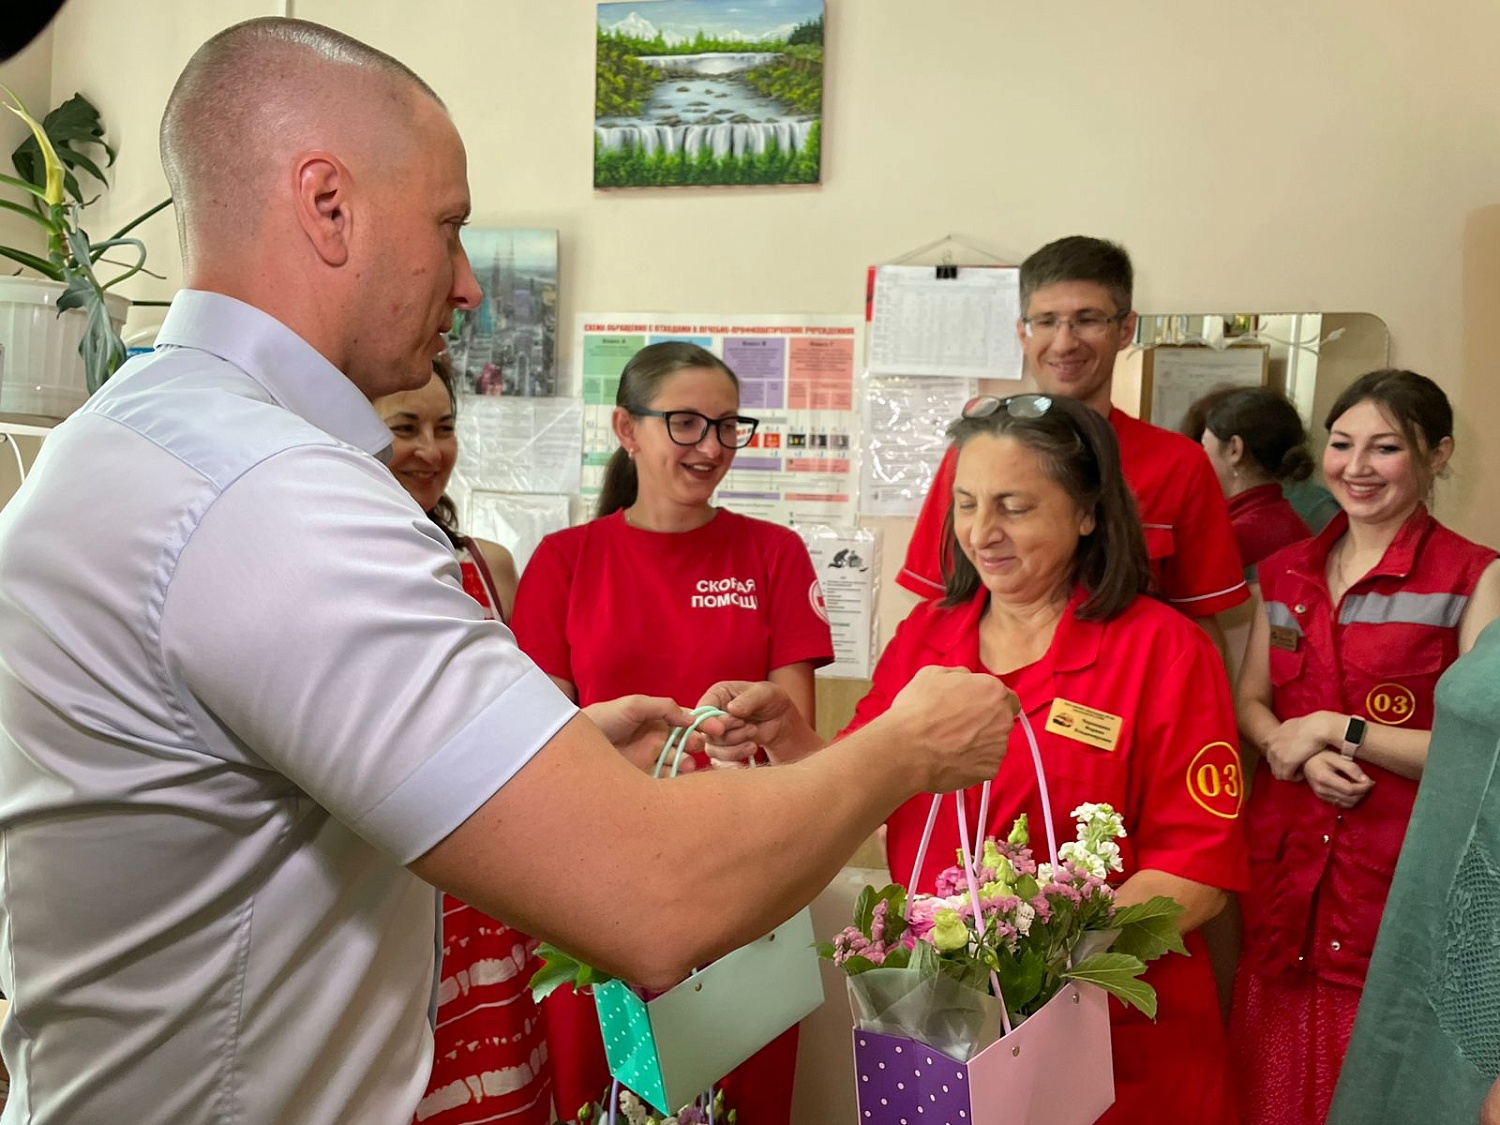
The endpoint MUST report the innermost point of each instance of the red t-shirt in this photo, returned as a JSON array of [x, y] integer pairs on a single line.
[[1188, 534], [616, 610], [1264, 522], [1173, 773]]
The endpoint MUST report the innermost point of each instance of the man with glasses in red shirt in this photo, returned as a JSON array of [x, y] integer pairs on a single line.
[[1076, 317]]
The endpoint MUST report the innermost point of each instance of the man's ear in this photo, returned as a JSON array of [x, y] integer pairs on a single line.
[[321, 197]]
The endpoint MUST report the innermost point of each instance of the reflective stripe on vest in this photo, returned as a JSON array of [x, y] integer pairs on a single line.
[[1442, 611], [1280, 616]]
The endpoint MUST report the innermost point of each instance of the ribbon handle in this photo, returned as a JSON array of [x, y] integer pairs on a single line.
[[966, 851]]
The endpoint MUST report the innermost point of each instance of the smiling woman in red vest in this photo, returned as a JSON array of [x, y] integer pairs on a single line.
[[1336, 693]]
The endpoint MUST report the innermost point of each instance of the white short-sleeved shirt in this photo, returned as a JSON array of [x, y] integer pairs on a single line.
[[240, 688]]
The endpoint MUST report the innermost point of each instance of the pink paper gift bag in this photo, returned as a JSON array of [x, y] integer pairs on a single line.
[[1056, 1068]]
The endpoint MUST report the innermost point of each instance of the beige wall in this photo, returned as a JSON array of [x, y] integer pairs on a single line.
[[1326, 155], [29, 76]]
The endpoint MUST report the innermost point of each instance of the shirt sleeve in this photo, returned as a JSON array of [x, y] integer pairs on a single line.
[[799, 617], [922, 572], [1188, 776], [540, 616], [1204, 575], [316, 624]]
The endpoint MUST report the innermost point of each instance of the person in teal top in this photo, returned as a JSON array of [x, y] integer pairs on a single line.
[[1426, 1042]]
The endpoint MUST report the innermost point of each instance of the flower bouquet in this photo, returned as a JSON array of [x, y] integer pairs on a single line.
[[961, 998]]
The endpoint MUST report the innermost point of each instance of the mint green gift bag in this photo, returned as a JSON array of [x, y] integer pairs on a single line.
[[673, 1047]]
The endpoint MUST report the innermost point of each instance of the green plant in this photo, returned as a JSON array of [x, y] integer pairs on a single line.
[[61, 145]]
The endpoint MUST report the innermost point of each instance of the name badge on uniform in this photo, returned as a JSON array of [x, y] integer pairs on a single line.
[[1284, 637], [1098, 729]]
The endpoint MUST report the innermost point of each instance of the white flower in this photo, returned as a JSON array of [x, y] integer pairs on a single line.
[[1025, 914], [1043, 874]]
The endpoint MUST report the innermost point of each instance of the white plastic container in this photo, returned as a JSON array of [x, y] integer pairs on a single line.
[[41, 371]]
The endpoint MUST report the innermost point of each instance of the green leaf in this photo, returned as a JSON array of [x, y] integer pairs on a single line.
[[853, 966], [864, 910], [557, 970], [825, 950], [1148, 929], [32, 262], [23, 185], [30, 212], [1021, 979], [1119, 975]]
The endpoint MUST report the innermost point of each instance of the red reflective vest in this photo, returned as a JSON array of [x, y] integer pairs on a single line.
[[1319, 875]]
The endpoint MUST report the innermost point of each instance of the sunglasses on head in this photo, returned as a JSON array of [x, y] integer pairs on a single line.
[[1017, 406]]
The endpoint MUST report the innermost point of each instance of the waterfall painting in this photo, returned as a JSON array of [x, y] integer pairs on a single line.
[[701, 92], [508, 345]]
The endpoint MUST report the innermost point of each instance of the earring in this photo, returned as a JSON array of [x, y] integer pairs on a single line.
[[630, 453]]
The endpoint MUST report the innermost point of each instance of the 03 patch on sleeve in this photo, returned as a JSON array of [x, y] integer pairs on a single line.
[[1216, 780]]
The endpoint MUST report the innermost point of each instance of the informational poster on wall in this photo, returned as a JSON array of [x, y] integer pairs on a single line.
[[796, 377], [847, 561], [959, 321]]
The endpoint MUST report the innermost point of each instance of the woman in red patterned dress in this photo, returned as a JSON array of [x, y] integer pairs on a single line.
[[489, 1054]]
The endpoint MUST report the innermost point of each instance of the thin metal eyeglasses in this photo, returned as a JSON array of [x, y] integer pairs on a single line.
[[688, 427], [1017, 406], [1085, 325]]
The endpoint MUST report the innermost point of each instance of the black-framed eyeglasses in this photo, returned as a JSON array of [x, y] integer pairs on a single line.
[[1017, 406], [1084, 325], [688, 427]]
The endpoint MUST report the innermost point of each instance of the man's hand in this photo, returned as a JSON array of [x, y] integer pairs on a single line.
[[638, 725], [1291, 744], [1337, 780], [957, 723]]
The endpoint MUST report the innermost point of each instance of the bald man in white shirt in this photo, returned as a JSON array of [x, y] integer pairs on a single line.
[[248, 717]]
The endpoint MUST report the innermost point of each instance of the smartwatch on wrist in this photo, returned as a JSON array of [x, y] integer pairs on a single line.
[[1354, 736]]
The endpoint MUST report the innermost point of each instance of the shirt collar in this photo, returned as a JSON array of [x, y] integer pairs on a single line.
[[1252, 498], [1399, 557], [292, 371], [1074, 646]]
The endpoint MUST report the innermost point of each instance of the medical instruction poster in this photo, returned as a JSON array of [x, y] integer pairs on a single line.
[[796, 376], [956, 323], [847, 560]]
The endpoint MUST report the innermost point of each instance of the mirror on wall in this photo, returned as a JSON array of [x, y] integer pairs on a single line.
[[1310, 357]]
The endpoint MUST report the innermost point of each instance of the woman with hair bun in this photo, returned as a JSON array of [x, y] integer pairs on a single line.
[[1255, 441]]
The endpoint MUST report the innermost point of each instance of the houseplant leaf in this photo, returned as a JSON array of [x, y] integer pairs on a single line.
[[1148, 929]]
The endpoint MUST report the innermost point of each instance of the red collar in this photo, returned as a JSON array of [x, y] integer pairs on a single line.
[[1251, 498], [954, 635], [1397, 562]]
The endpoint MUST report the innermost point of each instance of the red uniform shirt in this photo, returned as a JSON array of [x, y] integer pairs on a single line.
[[1264, 522], [1188, 534], [617, 610], [1173, 773], [1320, 874]]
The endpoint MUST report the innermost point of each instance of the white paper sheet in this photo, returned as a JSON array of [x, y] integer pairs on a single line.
[[515, 520], [520, 444], [847, 562], [923, 324]]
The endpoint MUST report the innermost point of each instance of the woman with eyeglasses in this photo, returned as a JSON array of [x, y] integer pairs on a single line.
[[1337, 693], [665, 593], [1046, 589]]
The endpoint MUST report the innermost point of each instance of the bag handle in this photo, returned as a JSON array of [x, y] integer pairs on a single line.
[[486, 579], [677, 739], [966, 850]]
